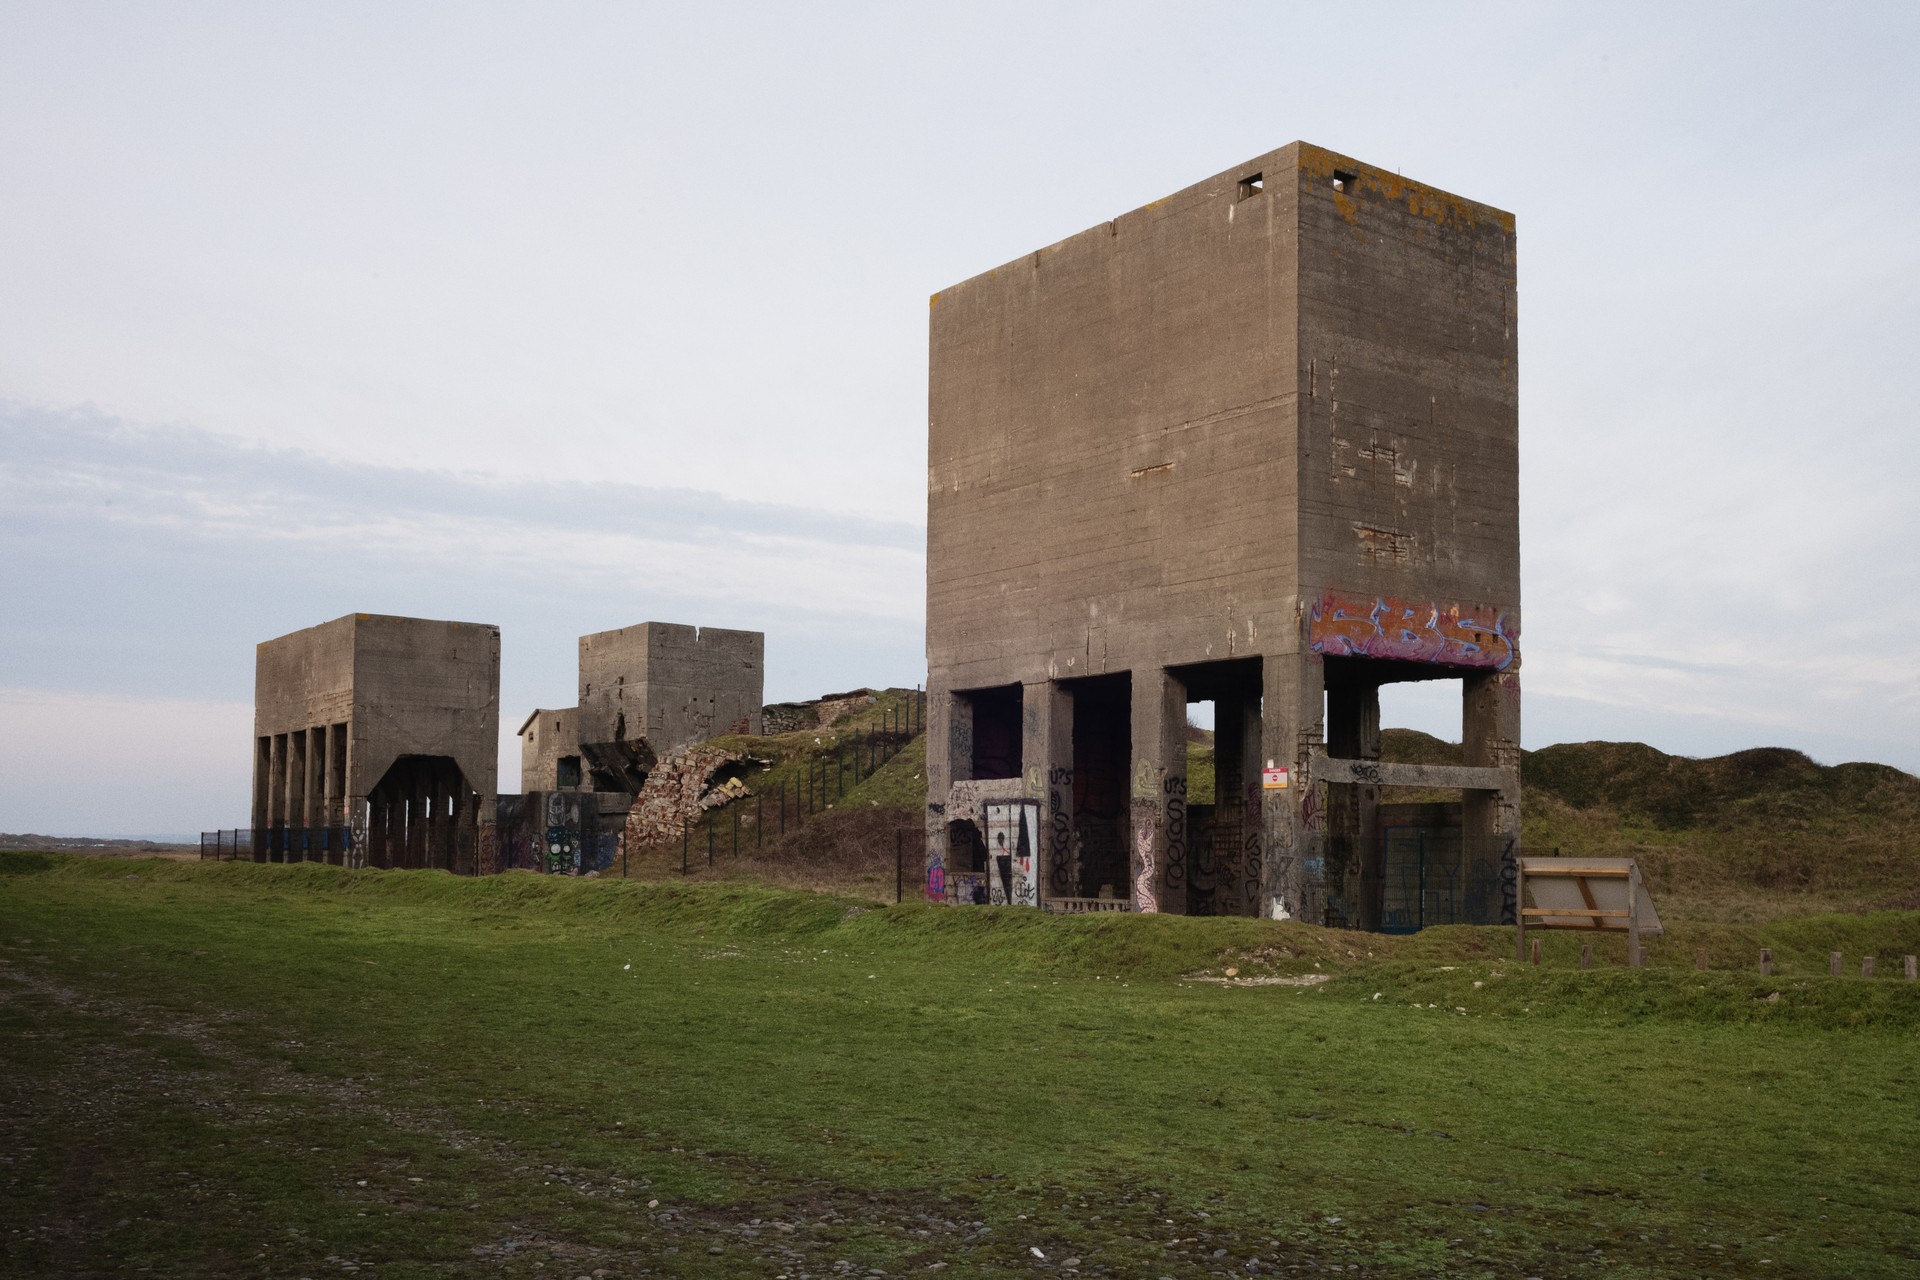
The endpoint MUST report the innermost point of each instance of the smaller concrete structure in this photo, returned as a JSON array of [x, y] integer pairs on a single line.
[[376, 743], [645, 691]]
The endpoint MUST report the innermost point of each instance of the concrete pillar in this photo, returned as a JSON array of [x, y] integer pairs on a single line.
[[1047, 750], [325, 797], [276, 794], [1354, 870], [1157, 855], [941, 728], [417, 819], [262, 791], [1490, 732], [313, 754], [1293, 819], [1236, 793]]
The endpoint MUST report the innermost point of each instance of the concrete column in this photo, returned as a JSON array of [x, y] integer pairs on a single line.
[[1236, 792], [1293, 820], [313, 754], [1490, 732], [290, 796], [1157, 855], [326, 798], [277, 790], [1353, 863], [262, 792], [940, 734], [1047, 749], [417, 826]]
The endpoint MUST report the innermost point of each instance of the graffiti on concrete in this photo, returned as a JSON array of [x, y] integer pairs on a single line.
[[1145, 899], [1013, 836], [1060, 869], [1176, 819], [1372, 626]]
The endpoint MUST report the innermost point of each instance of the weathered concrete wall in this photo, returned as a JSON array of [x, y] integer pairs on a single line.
[[1272, 417], [424, 687], [546, 737], [670, 684], [562, 832], [367, 719]]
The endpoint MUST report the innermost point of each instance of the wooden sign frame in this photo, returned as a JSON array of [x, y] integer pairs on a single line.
[[1635, 919]]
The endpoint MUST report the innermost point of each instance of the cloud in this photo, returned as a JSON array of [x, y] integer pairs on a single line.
[[144, 565]]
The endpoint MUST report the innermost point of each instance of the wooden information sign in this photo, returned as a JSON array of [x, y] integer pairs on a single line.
[[1602, 894]]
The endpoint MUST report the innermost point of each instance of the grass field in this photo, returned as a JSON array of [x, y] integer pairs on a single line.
[[234, 1070]]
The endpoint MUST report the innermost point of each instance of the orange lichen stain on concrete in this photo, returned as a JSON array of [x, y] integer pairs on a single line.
[[1421, 201], [933, 300]]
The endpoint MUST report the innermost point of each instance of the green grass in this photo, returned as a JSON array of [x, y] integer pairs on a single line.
[[219, 1070], [1745, 837]]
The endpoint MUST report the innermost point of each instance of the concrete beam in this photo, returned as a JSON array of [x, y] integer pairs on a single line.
[[1376, 773]]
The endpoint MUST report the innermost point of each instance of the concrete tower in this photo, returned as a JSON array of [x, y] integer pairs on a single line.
[[1253, 444]]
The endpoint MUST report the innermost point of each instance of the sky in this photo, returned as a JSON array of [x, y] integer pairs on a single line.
[[568, 316]]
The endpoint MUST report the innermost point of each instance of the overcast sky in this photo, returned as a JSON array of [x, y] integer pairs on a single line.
[[563, 317]]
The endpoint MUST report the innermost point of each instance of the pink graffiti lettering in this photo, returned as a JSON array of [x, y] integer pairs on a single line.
[[1457, 635]]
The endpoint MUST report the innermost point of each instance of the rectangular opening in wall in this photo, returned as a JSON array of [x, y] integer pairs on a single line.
[[1102, 756], [995, 744], [1252, 185], [1343, 181], [567, 772], [1223, 760]]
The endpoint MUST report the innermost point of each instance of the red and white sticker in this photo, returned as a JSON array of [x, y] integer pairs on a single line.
[[1275, 780]]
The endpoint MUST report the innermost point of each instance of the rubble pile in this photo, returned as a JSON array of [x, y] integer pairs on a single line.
[[679, 789]]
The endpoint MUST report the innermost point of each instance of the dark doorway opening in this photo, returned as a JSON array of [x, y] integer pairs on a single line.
[[995, 751], [1102, 756], [1223, 814], [422, 813]]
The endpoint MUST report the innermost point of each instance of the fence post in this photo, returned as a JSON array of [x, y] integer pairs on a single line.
[[1913, 968], [1833, 964], [1866, 967], [1700, 958], [1586, 955], [1766, 962]]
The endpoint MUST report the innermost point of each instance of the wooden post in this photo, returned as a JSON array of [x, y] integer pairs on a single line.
[[1913, 968], [1519, 907], [1586, 955], [1866, 967], [1533, 954], [1636, 959], [1700, 958], [1766, 962], [1833, 964]]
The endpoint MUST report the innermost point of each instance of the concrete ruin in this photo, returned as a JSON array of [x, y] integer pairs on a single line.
[[376, 741], [647, 692], [1254, 444]]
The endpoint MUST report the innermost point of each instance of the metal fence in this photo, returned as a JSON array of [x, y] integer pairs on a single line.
[[279, 844]]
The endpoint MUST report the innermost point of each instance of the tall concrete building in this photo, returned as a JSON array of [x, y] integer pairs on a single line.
[[1254, 444], [645, 690], [376, 741]]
